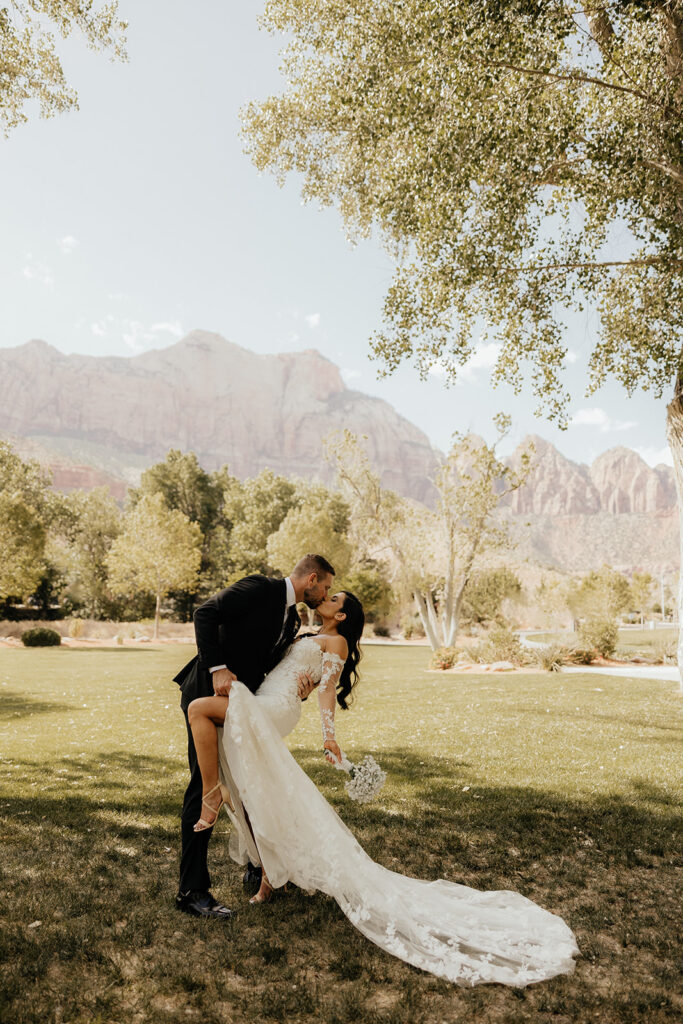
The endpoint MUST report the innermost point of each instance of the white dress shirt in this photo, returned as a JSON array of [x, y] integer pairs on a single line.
[[290, 599]]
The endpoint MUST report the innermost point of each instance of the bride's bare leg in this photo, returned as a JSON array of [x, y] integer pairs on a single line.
[[205, 714]]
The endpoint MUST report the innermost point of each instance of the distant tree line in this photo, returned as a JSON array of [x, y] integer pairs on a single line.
[[186, 533]]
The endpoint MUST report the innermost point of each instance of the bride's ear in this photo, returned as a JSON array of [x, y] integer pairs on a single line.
[[340, 616]]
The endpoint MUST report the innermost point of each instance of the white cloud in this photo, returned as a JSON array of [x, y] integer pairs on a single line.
[[137, 336], [102, 327], [68, 244], [172, 327], [35, 271], [484, 357], [571, 356], [599, 418], [313, 320], [348, 375], [655, 456]]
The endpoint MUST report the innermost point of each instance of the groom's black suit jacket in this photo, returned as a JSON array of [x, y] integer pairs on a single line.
[[240, 627]]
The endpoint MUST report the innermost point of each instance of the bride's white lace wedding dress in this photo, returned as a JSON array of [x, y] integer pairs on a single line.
[[457, 933]]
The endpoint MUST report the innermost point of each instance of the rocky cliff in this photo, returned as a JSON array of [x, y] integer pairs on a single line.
[[207, 395], [101, 420], [618, 511], [619, 481]]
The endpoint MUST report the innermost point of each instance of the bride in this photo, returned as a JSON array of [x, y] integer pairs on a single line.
[[284, 823]]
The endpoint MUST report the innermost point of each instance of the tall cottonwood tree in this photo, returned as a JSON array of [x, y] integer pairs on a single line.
[[30, 68], [200, 496], [27, 508], [157, 551], [496, 144], [432, 552]]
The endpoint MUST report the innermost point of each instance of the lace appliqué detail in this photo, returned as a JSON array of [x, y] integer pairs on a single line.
[[457, 933], [327, 692]]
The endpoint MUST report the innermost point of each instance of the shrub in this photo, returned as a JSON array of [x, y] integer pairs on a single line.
[[76, 628], [480, 652], [41, 636], [665, 651], [601, 634], [412, 626], [581, 655], [552, 657], [503, 645], [379, 630], [443, 658]]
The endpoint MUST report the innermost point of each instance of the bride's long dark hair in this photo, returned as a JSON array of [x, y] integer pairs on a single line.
[[351, 628]]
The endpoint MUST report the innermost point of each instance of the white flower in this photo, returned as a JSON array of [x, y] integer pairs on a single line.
[[366, 778]]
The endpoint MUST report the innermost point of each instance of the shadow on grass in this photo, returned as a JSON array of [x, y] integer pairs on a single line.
[[435, 826], [90, 851], [19, 705]]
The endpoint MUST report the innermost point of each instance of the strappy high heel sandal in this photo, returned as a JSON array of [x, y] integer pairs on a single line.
[[265, 897], [268, 896], [203, 824]]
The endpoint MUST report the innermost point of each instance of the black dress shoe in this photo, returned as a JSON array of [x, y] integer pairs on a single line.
[[201, 904], [251, 880]]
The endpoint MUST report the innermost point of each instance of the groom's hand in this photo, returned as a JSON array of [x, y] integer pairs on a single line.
[[304, 685], [222, 680]]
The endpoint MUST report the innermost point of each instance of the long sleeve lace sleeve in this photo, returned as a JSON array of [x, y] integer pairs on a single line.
[[327, 692]]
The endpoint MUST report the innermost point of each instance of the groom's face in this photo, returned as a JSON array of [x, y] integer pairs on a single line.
[[317, 589]]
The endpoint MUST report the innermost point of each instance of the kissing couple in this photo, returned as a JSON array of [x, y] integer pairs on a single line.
[[241, 696]]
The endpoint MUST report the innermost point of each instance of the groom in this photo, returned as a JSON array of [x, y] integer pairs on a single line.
[[241, 633]]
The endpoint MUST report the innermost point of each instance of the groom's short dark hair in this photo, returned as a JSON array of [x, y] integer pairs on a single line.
[[313, 563]]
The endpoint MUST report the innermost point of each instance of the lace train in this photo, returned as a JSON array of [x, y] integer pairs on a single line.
[[458, 933]]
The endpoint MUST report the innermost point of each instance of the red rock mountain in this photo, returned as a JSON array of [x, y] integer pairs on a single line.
[[207, 395], [101, 420], [617, 511], [619, 481]]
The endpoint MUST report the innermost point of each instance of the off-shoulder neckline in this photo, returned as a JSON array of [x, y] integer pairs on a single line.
[[325, 654]]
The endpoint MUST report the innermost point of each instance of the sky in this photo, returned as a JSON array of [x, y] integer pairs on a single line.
[[138, 218]]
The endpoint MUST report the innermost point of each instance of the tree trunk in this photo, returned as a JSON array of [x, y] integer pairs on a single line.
[[156, 617], [424, 616], [674, 434], [434, 619]]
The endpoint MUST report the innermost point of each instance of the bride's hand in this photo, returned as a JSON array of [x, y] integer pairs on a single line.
[[332, 751]]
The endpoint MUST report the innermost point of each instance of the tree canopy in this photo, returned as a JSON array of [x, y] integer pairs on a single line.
[[496, 144], [27, 508], [308, 528], [158, 550], [602, 593], [430, 554], [30, 68]]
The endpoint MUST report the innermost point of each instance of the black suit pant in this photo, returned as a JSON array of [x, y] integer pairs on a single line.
[[194, 871]]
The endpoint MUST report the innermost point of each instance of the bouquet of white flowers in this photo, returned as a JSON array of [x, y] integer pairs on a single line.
[[366, 778]]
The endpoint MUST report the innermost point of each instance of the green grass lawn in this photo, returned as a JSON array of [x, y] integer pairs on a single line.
[[561, 787], [633, 641]]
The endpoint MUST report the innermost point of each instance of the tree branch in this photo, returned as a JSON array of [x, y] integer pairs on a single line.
[[646, 262], [575, 76], [601, 30], [676, 173]]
